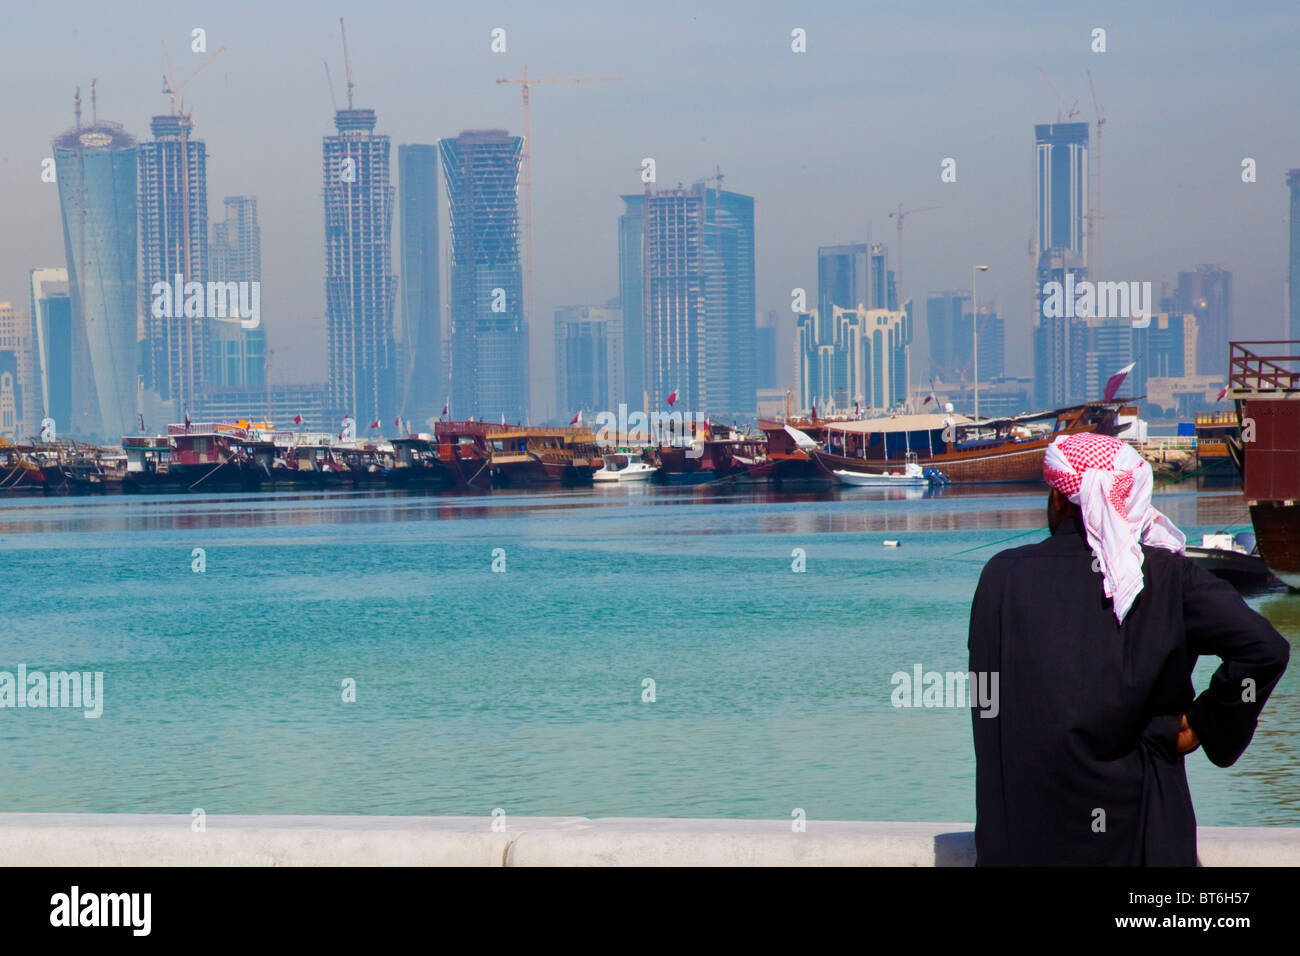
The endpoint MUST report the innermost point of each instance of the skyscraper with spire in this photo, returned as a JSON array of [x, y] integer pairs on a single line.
[[96, 171], [359, 285]]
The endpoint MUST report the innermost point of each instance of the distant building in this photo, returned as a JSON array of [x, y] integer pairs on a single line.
[[999, 396], [1184, 396], [51, 338], [96, 167], [15, 375], [1061, 188], [588, 359], [1110, 347], [173, 183], [699, 316], [992, 346], [859, 356], [360, 288], [945, 323], [417, 183], [1060, 344], [489, 331], [239, 355], [766, 336], [1207, 294], [631, 291], [278, 404]]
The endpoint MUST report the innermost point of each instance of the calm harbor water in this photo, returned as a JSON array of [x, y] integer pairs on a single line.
[[523, 689]]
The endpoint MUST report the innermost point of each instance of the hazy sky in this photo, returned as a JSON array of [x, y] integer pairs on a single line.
[[827, 141]]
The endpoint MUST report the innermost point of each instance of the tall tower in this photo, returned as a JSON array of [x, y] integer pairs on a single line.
[[96, 169], [1207, 294], [238, 354], [489, 332], [173, 242], [417, 183], [51, 336], [699, 317], [1061, 188], [631, 293], [359, 286]]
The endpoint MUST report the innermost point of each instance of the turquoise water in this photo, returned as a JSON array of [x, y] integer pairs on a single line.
[[523, 689]]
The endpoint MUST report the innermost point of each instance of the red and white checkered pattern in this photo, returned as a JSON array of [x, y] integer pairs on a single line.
[[1111, 484]]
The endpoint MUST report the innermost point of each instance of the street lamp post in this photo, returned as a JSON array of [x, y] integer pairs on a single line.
[[975, 328]]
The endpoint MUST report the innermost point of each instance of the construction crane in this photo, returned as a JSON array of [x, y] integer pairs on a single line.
[[329, 81], [1094, 212], [900, 214], [172, 88], [525, 83], [347, 61], [1060, 100]]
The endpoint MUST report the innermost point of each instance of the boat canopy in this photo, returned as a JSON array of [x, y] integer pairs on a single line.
[[900, 423]]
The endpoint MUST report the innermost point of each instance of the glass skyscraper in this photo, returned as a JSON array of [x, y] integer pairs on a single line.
[[1061, 194], [51, 312], [96, 168], [359, 285], [489, 332], [417, 183], [238, 354], [631, 292]]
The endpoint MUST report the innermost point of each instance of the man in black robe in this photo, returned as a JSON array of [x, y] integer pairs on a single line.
[[1094, 633]]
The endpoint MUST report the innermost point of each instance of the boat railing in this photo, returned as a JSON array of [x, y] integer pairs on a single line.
[[1272, 365]]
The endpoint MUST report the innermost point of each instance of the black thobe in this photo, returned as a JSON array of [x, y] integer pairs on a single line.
[[1080, 764]]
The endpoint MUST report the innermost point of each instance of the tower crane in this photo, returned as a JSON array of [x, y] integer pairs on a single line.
[[525, 84]]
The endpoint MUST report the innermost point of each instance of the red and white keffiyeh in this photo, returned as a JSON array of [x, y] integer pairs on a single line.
[[1111, 484]]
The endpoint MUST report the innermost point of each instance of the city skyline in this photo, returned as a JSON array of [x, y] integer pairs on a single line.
[[808, 200]]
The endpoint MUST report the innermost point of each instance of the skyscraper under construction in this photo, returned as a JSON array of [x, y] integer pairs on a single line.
[[489, 332], [359, 285], [173, 184]]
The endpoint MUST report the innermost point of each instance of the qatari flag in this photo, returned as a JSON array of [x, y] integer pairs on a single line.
[[672, 398], [1115, 381], [297, 419], [576, 418]]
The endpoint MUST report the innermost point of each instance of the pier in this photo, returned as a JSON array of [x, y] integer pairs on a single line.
[[109, 839]]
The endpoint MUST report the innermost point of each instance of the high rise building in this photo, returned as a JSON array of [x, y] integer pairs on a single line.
[[15, 375], [992, 344], [1061, 194], [765, 351], [699, 315], [96, 170], [1293, 273], [588, 359], [173, 208], [51, 337], [1060, 343], [359, 285], [417, 183], [631, 292], [489, 331], [1207, 294], [945, 321], [862, 361], [239, 355]]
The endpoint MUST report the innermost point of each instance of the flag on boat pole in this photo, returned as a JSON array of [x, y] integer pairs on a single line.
[[1115, 381]]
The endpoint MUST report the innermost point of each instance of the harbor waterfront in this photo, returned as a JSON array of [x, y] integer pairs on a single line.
[[627, 650]]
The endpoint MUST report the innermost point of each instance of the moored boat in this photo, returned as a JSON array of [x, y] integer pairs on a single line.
[[624, 467], [1264, 385]]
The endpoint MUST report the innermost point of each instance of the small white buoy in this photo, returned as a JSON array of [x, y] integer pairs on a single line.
[[890, 544]]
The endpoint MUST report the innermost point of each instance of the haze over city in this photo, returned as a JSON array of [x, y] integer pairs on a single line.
[[827, 142]]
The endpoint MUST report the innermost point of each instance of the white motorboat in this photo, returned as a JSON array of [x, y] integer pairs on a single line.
[[623, 467], [912, 476]]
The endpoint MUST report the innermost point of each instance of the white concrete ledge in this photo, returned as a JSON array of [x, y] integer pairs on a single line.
[[109, 839]]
